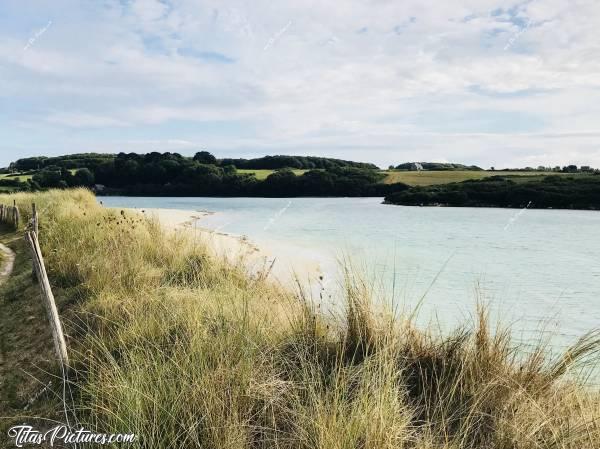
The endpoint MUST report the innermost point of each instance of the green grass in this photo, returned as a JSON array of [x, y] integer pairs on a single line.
[[427, 178], [12, 176], [188, 351], [26, 352], [17, 176], [262, 174]]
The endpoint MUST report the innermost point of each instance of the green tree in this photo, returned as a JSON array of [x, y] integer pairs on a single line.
[[204, 157], [83, 177]]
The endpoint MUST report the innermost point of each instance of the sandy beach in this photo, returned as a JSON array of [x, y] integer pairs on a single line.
[[284, 267]]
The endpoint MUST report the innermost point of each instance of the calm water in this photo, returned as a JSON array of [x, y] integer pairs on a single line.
[[537, 268]]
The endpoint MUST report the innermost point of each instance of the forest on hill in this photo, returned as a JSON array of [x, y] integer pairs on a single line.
[[171, 174]]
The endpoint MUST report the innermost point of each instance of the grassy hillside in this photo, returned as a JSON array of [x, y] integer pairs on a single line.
[[6, 179], [263, 174], [427, 178], [187, 351], [17, 176]]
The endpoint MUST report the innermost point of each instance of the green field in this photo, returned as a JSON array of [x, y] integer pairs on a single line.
[[17, 176], [263, 173], [12, 176], [428, 178]]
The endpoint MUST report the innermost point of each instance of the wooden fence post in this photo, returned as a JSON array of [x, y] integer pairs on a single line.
[[33, 225], [16, 215], [38, 265], [34, 220]]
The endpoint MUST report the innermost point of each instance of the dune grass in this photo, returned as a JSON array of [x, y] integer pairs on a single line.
[[186, 350]]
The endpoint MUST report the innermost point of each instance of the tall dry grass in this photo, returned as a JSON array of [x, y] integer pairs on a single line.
[[186, 351]]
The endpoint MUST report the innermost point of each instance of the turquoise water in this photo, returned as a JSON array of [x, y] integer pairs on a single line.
[[537, 268]]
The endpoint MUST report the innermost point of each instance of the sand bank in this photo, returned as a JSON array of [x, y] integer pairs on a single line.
[[282, 265]]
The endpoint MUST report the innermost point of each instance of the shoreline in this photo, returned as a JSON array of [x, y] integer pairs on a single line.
[[234, 248]]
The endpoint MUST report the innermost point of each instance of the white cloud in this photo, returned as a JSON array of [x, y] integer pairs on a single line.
[[375, 80], [83, 120]]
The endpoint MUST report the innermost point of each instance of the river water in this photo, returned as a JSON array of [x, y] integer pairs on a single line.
[[538, 269]]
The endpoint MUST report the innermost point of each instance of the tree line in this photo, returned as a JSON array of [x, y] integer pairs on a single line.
[[434, 166], [297, 162], [170, 174], [92, 160], [558, 192]]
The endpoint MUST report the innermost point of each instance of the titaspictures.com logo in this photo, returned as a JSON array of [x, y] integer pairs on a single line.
[[26, 435]]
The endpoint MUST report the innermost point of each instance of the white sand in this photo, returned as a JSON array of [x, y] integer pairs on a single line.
[[283, 269]]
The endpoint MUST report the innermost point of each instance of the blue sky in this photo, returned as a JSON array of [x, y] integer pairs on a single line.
[[489, 82]]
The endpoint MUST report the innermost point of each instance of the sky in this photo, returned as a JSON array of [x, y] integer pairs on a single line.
[[485, 82]]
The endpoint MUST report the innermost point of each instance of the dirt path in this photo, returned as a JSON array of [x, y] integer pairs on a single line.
[[7, 262]]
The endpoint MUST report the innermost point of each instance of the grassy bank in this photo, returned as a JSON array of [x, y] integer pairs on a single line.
[[186, 351]]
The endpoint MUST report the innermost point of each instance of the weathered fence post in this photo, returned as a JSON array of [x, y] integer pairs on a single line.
[[16, 215], [40, 270], [34, 220], [33, 225]]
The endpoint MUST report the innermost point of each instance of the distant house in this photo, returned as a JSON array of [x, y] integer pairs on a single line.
[[99, 187]]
